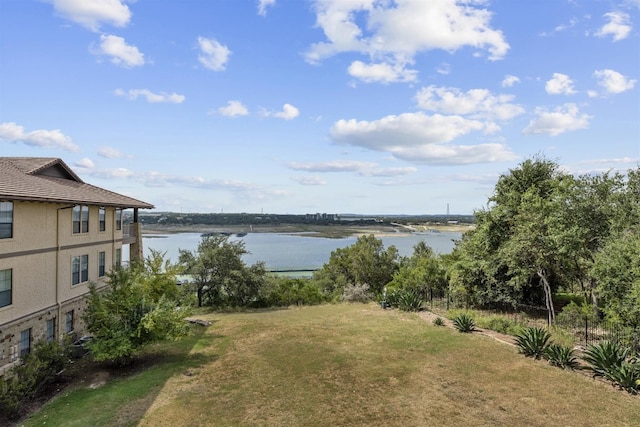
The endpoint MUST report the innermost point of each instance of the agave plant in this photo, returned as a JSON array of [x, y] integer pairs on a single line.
[[533, 342], [409, 300], [464, 323], [561, 356], [626, 376], [438, 321], [605, 357]]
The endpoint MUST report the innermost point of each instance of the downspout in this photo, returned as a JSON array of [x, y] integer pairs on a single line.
[[58, 303]]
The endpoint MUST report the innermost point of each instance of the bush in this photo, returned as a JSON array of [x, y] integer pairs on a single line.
[[409, 300], [438, 321], [23, 382], [356, 293], [533, 342], [561, 356], [501, 324], [464, 323]]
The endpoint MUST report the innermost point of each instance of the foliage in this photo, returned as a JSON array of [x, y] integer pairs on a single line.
[[408, 300], [438, 321], [533, 342], [561, 356], [356, 293], [24, 381], [219, 275], [464, 323], [283, 292], [366, 261], [617, 269], [130, 314], [501, 324], [422, 273], [612, 361]]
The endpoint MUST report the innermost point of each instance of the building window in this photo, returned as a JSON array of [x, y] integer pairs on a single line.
[[25, 342], [118, 219], [81, 219], [101, 259], [51, 330], [102, 219], [118, 262], [79, 269], [6, 220], [5, 288], [68, 322]]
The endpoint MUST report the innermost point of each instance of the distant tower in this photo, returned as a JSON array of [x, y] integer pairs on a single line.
[[447, 209]]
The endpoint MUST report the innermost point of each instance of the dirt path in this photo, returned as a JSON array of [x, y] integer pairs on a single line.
[[505, 339]]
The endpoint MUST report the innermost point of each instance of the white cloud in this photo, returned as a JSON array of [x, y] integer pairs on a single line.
[[352, 166], [154, 98], [613, 81], [121, 53], [564, 118], [85, 163], [13, 132], [477, 103], [510, 80], [444, 69], [381, 72], [263, 5], [421, 138], [288, 112], [110, 153], [560, 84], [213, 55], [392, 33], [233, 109], [619, 26], [309, 180], [92, 14]]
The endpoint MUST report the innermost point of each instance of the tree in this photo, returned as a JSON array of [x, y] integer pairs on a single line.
[[219, 275], [422, 272], [364, 262], [617, 271], [130, 314]]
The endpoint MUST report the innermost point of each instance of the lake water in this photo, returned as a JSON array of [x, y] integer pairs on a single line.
[[295, 252]]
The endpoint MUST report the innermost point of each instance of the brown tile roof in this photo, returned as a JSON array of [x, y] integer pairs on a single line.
[[48, 179]]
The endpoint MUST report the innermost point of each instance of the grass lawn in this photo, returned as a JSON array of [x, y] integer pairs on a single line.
[[341, 365]]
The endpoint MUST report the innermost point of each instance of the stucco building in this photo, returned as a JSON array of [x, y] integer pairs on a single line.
[[57, 235]]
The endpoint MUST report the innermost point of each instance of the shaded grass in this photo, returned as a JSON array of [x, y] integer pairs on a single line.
[[346, 365]]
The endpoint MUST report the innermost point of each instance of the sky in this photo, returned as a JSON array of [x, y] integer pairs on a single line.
[[305, 106]]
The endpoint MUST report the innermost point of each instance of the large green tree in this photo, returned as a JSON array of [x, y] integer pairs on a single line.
[[422, 273], [219, 274], [365, 262], [139, 306]]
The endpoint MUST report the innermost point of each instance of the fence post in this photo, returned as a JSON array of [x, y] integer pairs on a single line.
[[586, 331]]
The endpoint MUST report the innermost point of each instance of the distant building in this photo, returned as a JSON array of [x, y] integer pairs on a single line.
[[57, 234]]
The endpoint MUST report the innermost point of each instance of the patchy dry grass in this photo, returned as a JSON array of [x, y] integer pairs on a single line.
[[350, 365]]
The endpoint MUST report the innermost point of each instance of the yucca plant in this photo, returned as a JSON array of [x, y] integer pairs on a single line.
[[438, 321], [409, 300], [605, 357], [464, 323], [561, 356], [533, 342]]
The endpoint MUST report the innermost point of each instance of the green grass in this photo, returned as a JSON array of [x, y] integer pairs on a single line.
[[346, 365]]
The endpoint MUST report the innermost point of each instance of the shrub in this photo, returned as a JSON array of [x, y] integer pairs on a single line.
[[533, 342], [626, 376], [24, 381], [356, 293], [438, 321], [464, 323], [561, 356], [500, 324], [409, 300]]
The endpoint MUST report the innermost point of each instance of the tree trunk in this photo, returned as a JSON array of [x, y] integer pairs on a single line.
[[547, 295]]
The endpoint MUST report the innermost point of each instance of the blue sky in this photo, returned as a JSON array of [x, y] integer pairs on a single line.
[[294, 106]]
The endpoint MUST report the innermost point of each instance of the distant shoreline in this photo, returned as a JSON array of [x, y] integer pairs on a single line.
[[327, 231]]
